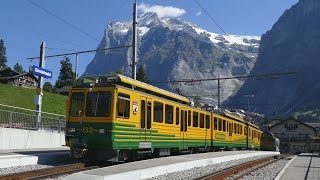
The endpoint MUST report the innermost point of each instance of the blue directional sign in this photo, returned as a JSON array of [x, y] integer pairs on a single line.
[[41, 72]]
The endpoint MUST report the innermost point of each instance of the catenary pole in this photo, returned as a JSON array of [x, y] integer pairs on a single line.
[[134, 42], [38, 99]]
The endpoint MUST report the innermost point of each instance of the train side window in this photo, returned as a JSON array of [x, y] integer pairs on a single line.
[[158, 112], [220, 125], [227, 126], [177, 116], [215, 123], [238, 128], [224, 125], [185, 121], [195, 119], [169, 114], [245, 130], [201, 120], [123, 107], [143, 113], [207, 121], [182, 121], [76, 104], [235, 128], [189, 118]]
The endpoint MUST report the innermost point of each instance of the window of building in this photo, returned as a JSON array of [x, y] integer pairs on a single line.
[[123, 105], [195, 119], [98, 104], [76, 104], [201, 120], [208, 121], [177, 116], [158, 112], [169, 114]]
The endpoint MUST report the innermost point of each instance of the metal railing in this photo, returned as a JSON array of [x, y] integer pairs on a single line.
[[12, 119]]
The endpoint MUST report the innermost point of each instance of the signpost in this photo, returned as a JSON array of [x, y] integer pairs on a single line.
[[41, 72]]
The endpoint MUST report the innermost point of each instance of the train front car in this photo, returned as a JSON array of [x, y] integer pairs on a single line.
[[90, 113]]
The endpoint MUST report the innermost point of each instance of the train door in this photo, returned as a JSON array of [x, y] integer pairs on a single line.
[[145, 123], [183, 128]]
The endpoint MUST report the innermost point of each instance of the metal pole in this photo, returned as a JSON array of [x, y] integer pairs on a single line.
[[75, 69], [219, 105], [39, 95], [134, 41]]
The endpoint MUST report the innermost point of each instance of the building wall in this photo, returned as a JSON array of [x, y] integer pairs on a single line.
[[295, 137], [292, 128]]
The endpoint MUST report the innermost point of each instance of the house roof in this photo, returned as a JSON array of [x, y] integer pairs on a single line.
[[18, 75], [293, 120]]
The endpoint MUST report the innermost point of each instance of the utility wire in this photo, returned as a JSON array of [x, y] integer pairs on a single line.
[[215, 22], [270, 75], [66, 22], [81, 52]]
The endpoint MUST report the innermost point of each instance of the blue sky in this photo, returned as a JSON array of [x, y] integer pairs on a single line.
[[23, 25]]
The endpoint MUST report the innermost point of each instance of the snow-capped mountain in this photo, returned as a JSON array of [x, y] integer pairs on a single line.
[[176, 49]]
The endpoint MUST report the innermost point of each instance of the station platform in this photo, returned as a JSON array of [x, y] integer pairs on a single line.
[[10, 158], [303, 166], [158, 166]]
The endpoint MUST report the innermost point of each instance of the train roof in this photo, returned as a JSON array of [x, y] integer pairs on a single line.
[[126, 81]]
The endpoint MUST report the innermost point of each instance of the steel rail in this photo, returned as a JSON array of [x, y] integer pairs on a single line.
[[248, 167], [48, 172]]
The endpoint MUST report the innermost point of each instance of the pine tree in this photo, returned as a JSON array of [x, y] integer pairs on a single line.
[[47, 87], [66, 76], [142, 75], [3, 58], [18, 68]]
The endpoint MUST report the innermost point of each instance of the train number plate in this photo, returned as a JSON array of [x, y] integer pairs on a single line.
[[143, 145]]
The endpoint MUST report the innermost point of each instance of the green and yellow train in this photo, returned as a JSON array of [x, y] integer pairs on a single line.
[[117, 118]]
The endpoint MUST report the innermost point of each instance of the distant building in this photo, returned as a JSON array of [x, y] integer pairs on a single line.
[[9, 76], [296, 136]]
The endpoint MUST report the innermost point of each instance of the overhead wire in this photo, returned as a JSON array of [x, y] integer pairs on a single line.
[[216, 23], [64, 21]]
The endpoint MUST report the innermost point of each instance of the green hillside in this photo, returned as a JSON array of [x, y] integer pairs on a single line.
[[24, 98]]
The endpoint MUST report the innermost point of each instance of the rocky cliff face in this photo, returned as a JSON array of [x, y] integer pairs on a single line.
[[176, 49], [293, 44]]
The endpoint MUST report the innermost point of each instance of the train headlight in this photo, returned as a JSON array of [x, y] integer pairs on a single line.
[[71, 130], [102, 131]]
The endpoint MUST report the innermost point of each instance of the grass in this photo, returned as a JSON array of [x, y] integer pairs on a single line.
[[24, 98]]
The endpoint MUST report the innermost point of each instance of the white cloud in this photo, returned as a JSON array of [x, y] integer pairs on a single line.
[[198, 13], [162, 11]]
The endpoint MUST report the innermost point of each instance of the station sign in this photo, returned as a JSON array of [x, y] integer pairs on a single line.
[[41, 72]]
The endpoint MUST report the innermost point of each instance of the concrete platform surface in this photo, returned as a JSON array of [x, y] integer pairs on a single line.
[[158, 166], [304, 166], [10, 158]]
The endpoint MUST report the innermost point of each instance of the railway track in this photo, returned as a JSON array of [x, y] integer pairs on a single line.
[[48, 172], [238, 171]]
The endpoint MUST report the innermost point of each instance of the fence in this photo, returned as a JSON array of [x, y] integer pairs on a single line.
[[12, 119]]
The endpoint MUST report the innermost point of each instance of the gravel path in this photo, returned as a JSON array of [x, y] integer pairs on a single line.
[[268, 172], [202, 171]]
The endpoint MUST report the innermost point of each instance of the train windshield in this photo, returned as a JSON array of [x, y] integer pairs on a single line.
[[76, 104], [98, 104], [92, 104]]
